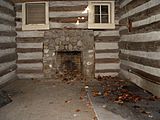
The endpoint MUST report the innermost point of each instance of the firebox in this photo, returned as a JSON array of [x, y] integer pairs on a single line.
[[69, 61]]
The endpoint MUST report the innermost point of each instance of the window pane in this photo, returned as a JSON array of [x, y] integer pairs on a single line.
[[104, 9], [97, 19], [104, 19], [97, 9], [35, 13]]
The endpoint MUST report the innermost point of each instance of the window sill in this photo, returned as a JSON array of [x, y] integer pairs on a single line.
[[101, 26], [35, 27]]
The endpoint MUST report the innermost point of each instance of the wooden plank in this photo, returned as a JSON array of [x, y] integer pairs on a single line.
[[29, 45], [149, 55], [102, 66], [104, 45], [8, 70], [140, 60], [30, 66], [106, 55], [30, 34], [107, 39], [142, 37], [146, 76], [7, 45], [107, 60], [26, 50], [26, 56], [141, 8], [152, 46], [147, 69], [8, 58]]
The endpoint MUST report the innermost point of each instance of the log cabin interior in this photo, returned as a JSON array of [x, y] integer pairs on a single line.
[[46, 42]]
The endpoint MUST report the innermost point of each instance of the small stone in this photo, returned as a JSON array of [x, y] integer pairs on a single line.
[[79, 43]]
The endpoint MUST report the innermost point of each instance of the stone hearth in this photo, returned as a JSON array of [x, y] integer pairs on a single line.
[[68, 50]]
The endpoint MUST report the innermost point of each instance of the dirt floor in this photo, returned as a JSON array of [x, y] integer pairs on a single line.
[[125, 99], [47, 100]]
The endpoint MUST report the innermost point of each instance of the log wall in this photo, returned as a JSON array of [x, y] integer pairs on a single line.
[[140, 43], [8, 54], [63, 15]]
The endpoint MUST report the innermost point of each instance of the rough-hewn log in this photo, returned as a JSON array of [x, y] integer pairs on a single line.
[[107, 51], [7, 45], [107, 39], [8, 33], [152, 46], [141, 60], [7, 11], [8, 58], [147, 76], [8, 70], [7, 22], [29, 71]]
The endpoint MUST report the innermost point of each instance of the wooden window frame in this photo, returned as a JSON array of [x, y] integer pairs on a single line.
[[111, 13], [35, 26]]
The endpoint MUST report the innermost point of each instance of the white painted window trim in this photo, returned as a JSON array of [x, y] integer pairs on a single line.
[[35, 26], [92, 25]]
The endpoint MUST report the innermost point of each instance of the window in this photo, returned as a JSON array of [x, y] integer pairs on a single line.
[[35, 16], [101, 15]]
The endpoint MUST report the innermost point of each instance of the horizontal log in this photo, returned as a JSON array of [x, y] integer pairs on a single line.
[[29, 39], [142, 37], [8, 70], [141, 60], [30, 45], [7, 3], [68, 20], [61, 3], [107, 60], [7, 45], [29, 61], [26, 50], [10, 2], [7, 11], [149, 55], [7, 39], [106, 55], [141, 8], [124, 3], [28, 34], [7, 22], [104, 45], [28, 71], [103, 66], [107, 71], [146, 76], [107, 51], [142, 15], [107, 39], [7, 51], [8, 58], [68, 8], [8, 77], [30, 76], [24, 56], [30, 66], [152, 46], [8, 33]]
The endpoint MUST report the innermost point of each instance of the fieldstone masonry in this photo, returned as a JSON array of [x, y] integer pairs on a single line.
[[68, 40]]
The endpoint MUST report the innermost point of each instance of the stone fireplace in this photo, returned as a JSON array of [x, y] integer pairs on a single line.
[[68, 51]]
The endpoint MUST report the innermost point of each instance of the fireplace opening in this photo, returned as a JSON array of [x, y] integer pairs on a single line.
[[69, 61]]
